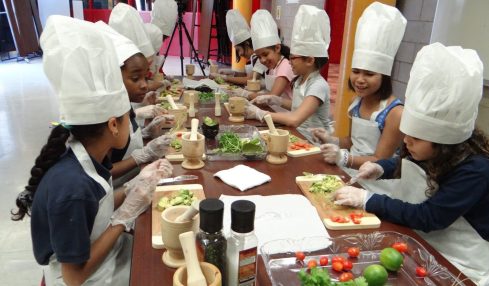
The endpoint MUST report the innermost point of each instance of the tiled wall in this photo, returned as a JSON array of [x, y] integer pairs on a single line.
[[420, 15]]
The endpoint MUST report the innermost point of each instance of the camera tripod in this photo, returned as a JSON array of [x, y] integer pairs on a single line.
[[181, 25]]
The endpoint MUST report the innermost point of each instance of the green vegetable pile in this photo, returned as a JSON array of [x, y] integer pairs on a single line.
[[184, 198], [320, 277], [219, 80], [327, 185], [229, 142], [251, 146], [209, 96], [293, 138], [176, 144], [209, 121]]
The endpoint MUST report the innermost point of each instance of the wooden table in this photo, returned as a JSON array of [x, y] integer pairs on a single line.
[[147, 267]]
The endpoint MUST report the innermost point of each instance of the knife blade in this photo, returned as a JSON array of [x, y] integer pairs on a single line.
[[177, 179]]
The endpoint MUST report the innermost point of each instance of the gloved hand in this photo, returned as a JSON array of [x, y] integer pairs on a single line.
[[149, 98], [240, 92], [332, 154], [321, 135], [139, 192], [155, 127], [253, 112], [149, 111], [370, 171], [351, 196], [268, 99], [153, 151]]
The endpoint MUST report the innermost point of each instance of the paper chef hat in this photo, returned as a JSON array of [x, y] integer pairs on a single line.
[[155, 35], [238, 28], [264, 32], [310, 35], [379, 33], [164, 15], [443, 94], [126, 21], [80, 62], [124, 47]]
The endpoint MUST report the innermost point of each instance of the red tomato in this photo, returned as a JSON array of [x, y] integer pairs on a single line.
[[337, 266], [312, 264], [179, 134], [353, 252], [400, 246], [340, 259], [347, 265], [356, 220], [421, 271], [299, 255], [356, 215], [346, 276], [323, 261]]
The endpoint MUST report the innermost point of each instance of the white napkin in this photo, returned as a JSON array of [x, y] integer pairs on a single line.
[[279, 217], [189, 83], [242, 177]]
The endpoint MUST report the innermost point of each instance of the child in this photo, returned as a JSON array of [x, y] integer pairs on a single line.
[[309, 52], [375, 112], [76, 233], [444, 166], [240, 36]]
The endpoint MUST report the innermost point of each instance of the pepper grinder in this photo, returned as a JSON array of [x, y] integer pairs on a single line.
[[217, 108]]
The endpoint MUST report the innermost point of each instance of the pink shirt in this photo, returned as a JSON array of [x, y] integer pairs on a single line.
[[284, 69]]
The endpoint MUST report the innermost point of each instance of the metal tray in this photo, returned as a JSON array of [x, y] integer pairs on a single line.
[[282, 266], [244, 132]]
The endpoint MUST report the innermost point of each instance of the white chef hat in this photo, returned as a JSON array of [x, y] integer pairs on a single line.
[[379, 33], [164, 15], [443, 94], [264, 32], [310, 35], [80, 62], [155, 35], [126, 20], [124, 47], [238, 28]]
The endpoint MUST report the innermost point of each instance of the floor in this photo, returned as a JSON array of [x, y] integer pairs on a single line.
[[27, 106]]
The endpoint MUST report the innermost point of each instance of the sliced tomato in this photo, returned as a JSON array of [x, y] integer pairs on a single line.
[[353, 251], [400, 246], [356, 220], [347, 265], [323, 260], [312, 264], [346, 276], [299, 255], [421, 271], [337, 266]]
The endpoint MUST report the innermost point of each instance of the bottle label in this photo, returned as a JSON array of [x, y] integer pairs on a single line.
[[247, 267]]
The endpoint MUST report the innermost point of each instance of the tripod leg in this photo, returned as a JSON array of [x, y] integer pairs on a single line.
[[181, 44], [195, 52], [171, 40]]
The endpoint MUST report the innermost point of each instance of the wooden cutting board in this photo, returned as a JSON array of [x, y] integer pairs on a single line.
[[176, 156], [295, 153], [168, 191], [328, 210]]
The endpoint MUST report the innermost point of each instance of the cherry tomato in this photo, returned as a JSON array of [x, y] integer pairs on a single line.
[[421, 271], [299, 255], [340, 259], [312, 264], [337, 266], [400, 246], [323, 261], [346, 276], [353, 252], [179, 134], [347, 265]]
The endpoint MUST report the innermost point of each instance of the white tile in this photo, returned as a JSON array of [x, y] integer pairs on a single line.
[[404, 70], [411, 9], [406, 52], [428, 10], [418, 32], [399, 90]]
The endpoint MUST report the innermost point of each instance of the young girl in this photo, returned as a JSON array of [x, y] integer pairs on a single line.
[[375, 112], [240, 36], [310, 104], [76, 233], [444, 164], [272, 54]]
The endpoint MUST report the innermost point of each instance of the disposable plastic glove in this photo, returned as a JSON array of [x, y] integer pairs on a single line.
[[321, 135], [155, 127], [370, 171], [268, 99], [149, 111], [149, 98], [351, 196], [253, 112], [153, 151], [240, 92], [139, 193], [332, 154]]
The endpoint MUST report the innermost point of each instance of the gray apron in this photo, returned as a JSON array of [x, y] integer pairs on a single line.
[[115, 269]]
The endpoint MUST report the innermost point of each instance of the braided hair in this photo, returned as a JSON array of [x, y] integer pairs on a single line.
[[49, 156]]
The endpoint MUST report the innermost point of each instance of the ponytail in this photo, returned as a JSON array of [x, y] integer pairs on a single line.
[[285, 51], [50, 154]]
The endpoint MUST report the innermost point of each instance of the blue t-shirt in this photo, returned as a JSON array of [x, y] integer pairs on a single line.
[[64, 209], [464, 191], [380, 118], [118, 154]]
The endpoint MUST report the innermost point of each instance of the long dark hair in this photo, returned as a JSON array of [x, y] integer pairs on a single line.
[[50, 155], [385, 89], [246, 44], [284, 50], [447, 157]]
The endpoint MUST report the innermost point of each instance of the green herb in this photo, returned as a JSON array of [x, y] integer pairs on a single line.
[[328, 184], [184, 198], [176, 144], [320, 277], [219, 80], [293, 138], [166, 105], [206, 96], [250, 146], [209, 121], [229, 142]]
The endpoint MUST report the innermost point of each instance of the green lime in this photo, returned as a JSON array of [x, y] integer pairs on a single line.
[[375, 274], [391, 259]]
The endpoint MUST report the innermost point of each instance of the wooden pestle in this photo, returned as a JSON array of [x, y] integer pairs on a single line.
[[271, 126], [189, 213], [193, 129], [195, 277], [171, 101]]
